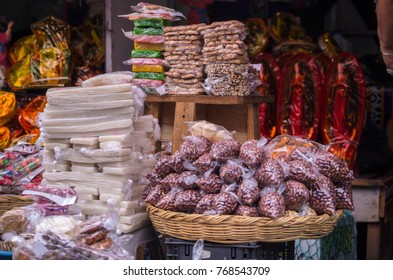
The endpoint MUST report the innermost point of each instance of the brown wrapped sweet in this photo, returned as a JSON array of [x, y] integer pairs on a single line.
[[231, 172], [205, 163], [233, 188], [169, 181], [322, 196], [225, 203], [155, 195], [176, 162], [343, 192], [245, 210], [225, 149], [248, 192], [205, 205], [270, 173], [163, 167], [333, 167], [187, 180], [167, 202], [210, 184], [194, 147], [296, 195], [186, 201], [302, 171], [251, 154], [271, 204]]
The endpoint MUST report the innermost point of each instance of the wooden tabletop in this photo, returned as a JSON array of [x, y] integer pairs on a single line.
[[210, 99]]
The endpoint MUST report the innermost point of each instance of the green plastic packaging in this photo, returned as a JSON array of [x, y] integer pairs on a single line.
[[146, 54], [149, 75], [151, 22], [148, 31]]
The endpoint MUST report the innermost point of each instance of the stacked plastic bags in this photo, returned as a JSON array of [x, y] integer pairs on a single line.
[[148, 36]]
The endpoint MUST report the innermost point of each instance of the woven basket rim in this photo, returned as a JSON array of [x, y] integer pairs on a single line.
[[241, 228]]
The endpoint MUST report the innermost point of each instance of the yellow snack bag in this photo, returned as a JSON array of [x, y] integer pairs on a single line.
[[147, 68], [148, 46]]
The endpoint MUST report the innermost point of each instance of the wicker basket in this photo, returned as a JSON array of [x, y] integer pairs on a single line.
[[7, 202], [231, 229]]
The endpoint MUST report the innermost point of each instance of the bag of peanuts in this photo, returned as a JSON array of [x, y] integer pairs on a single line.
[[271, 204]]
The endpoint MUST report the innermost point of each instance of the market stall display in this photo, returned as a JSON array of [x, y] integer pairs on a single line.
[[95, 143]]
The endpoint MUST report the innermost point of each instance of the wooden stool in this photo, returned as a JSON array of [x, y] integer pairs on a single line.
[[373, 201], [239, 113]]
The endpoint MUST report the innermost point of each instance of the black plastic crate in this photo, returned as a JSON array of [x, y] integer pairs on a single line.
[[178, 249]]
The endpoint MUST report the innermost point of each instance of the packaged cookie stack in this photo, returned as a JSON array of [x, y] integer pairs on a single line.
[[148, 36], [183, 45], [91, 145], [225, 58]]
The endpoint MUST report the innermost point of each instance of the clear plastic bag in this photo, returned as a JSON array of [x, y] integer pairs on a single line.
[[209, 130], [113, 78]]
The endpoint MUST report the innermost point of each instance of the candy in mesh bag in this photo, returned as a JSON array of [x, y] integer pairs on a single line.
[[251, 153], [205, 205], [186, 201], [296, 195], [225, 150], [270, 173], [322, 196], [211, 183], [343, 192], [225, 203], [245, 210], [248, 191], [271, 204], [231, 172]]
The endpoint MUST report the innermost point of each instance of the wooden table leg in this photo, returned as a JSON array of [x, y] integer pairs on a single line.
[[253, 129], [373, 241], [184, 112]]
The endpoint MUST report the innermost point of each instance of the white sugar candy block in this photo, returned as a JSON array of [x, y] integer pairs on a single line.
[[84, 164], [113, 197], [93, 208], [78, 179], [130, 220], [123, 170], [84, 169], [48, 156], [92, 98], [71, 114], [60, 141], [95, 156], [56, 167], [145, 118], [113, 78], [126, 212], [147, 149], [142, 126], [91, 147], [114, 145], [80, 127], [111, 190], [108, 131], [129, 204], [92, 191], [143, 141], [84, 141], [85, 121], [92, 106], [119, 163], [136, 192], [51, 146], [115, 137], [52, 92], [87, 197], [126, 228]]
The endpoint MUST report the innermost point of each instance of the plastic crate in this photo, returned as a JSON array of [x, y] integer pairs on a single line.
[[4, 255], [178, 249]]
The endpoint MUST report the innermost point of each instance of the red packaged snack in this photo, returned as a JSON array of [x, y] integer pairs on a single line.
[[299, 96], [344, 106], [268, 73]]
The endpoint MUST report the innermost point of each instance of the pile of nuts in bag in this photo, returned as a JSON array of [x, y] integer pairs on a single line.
[[286, 176]]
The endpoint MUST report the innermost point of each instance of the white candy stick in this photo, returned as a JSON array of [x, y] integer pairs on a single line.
[[117, 124], [64, 114], [92, 106], [85, 121], [88, 90], [90, 134]]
